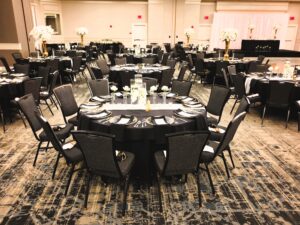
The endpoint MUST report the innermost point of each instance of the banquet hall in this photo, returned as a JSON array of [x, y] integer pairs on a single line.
[[149, 112]]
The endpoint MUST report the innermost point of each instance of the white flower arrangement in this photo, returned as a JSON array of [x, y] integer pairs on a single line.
[[113, 88], [165, 88], [126, 88], [81, 31], [43, 33], [153, 88], [229, 35], [189, 31], [251, 27], [276, 27]]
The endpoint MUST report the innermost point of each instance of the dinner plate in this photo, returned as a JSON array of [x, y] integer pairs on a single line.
[[185, 114], [121, 120], [167, 119], [99, 99], [100, 115]]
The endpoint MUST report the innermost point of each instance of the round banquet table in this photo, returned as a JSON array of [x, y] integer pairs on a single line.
[[153, 71], [137, 58], [142, 137]]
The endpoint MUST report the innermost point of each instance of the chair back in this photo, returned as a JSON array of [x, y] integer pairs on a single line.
[[253, 67], [239, 85], [221, 65], [102, 64], [22, 68], [99, 87], [76, 63], [53, 64], [129, 59], [182, 88], [200, 55], [59, 53], [164, 59], [225, 77], [166, 77], [149, 82], [148, 60], [93, 77], [71, 53], [184, 150], [190, 60], [231, 70], [171, 63], [99, 152], [230, 132], [53, 79], [28, 107], [5, 64], [44, 72], [217, 100], [243, 106], [97, 72], [17, 56], [199, 66], [32, 86], [120, 61], [125, 77], [182, 71], [260, 59], [65, 96], [279, 94]]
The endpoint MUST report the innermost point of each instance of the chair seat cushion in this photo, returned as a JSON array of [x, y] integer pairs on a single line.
[[74, 121], [209, 152], [74, 154], [126, 165], [160, 160], [62, 133]]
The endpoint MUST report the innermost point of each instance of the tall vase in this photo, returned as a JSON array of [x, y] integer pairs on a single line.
[[275, 33], [44, 49], [226, 54], [187, 40], [81, 39]]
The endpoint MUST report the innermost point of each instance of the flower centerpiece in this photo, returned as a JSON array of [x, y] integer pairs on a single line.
[[228, 35], [81, 31], [188, 33], [153, 89], [251, 28], [165, 89], [41, 34], [275, 29]]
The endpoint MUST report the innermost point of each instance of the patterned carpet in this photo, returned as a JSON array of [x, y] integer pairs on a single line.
[[264, 187]]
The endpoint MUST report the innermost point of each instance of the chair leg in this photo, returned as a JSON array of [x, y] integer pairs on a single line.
[[49, 107], [230, 155], [40, 110], [70, 178], [37, 153], [210, 180], [159, 193], [53, 101], [298, 121], [55, 166], [125, 194], [214, 80], [20, 114], [225, 164], [3, 121], [263, 115], [287, 117], [197, 177], [233, 106], [87, 189]]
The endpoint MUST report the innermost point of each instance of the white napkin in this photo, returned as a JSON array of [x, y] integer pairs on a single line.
[[123, 121], [160, 121]]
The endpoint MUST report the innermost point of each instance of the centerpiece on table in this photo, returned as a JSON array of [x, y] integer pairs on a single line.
[[165, 90], [251, 28], [228, 35], [113, 88], [81, 31], [188, 33], [41, 34]]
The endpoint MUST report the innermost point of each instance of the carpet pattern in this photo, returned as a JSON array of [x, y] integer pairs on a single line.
[[264, 188]]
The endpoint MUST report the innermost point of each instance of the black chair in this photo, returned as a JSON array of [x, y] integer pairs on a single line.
[[216, 134], [17, 56], [54, 66], [28, 107], [66, 100], [171, 63], [232, 70], [120, 61], [102, 64], [227, 82], [184, 145], [219, 95], [190, 61], [22, 68], [3, 120], [166, 78], [182, 72], [200, 55], [72, 72], [215, 149], [148, 60], [181, 88], [5, 64], [44, 71], [219, 66], [126, 76], [48, 95], [71, 154], [200, 70], [240, 91], [164, 59], [279, 97], [260, 59], [101, 159], [255, 66], [99, 87], [298, 108], [149, 82]]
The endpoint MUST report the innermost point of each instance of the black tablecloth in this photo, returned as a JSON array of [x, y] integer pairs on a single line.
[[260, 47]]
